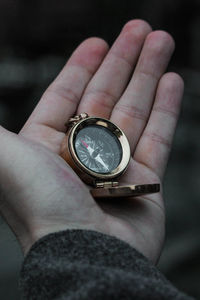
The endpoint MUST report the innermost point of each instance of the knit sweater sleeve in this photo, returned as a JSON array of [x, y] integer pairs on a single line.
[[81, 264]]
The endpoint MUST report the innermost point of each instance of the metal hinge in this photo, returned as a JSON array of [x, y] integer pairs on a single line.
[[106, 184]]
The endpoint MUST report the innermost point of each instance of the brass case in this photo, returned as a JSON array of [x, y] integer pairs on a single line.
[[69, 154], [105, 185]]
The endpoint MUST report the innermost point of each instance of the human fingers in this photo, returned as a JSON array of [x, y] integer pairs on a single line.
[[155, 143], [132, 111], [109, 82], [60, 100]]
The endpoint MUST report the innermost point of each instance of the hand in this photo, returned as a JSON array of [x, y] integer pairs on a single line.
[[42, 194]]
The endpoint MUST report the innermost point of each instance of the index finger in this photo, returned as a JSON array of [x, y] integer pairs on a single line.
[[60, 100]]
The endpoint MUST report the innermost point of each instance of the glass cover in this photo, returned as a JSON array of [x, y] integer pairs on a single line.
[[98, 149]]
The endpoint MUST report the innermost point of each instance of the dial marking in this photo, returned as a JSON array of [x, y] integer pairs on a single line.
[[98, 149]]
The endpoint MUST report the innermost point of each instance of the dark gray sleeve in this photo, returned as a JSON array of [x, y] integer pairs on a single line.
[[80, 264]]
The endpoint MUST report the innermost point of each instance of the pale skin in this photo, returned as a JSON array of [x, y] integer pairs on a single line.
[[127, 84]]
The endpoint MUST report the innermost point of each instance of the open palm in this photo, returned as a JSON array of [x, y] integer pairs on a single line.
[[126, 85]]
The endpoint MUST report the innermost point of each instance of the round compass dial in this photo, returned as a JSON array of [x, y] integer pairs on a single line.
[[98, 149]]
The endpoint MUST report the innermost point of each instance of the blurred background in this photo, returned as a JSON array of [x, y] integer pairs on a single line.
[[36, 39]]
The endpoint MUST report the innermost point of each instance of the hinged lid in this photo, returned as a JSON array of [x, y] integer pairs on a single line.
[[110, 191]]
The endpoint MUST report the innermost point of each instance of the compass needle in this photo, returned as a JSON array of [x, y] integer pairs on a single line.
[[101, 147], [100, 160]]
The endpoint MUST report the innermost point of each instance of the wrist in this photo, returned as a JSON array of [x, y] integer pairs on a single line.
[[38, 232]]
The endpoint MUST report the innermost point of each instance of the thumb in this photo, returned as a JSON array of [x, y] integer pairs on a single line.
[[6, 148], [9, 143], [10, 148]]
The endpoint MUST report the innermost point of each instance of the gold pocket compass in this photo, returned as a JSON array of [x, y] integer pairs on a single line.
[[99, 152]]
